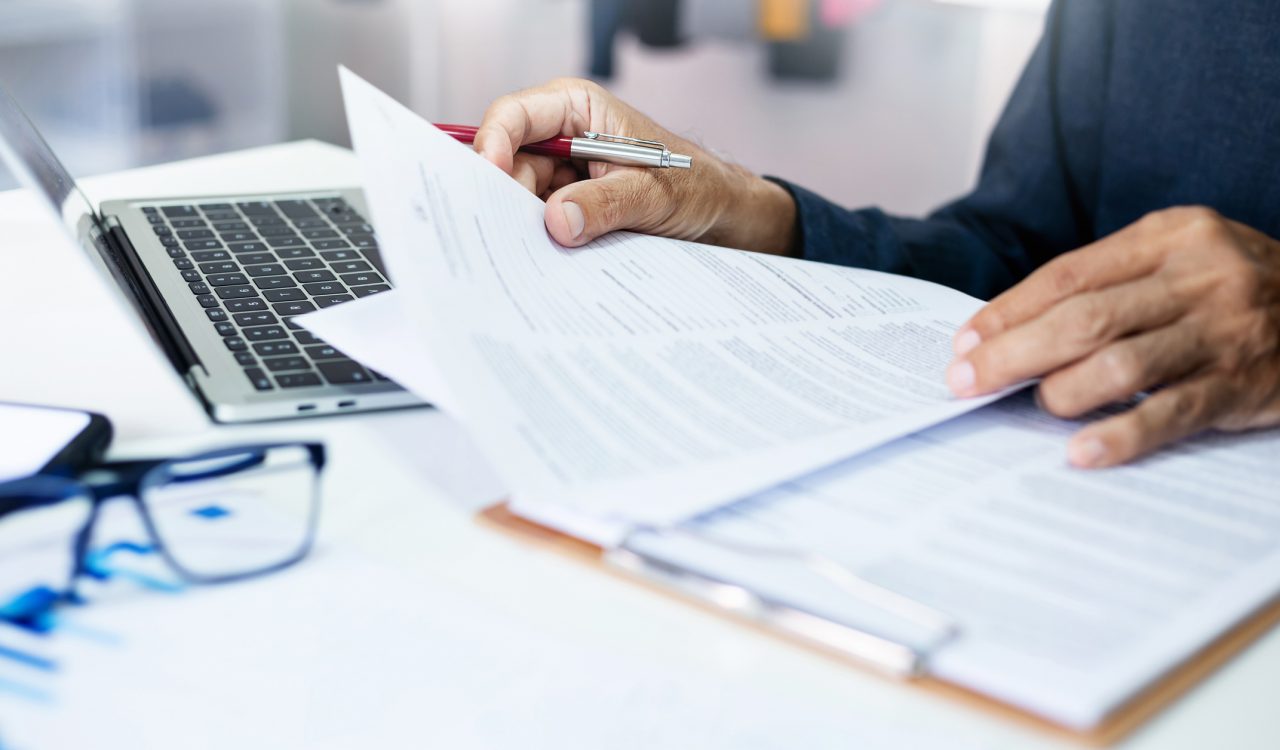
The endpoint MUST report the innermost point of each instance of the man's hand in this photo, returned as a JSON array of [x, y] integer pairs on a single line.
[[714, 202], [1183, 299]]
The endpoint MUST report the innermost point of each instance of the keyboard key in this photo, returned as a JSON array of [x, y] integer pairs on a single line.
[[179, 212], [324, 351], [235, 292], [292, 324], [176, 252], [230, 237], [285, 295], [246, 359], [249, 304], [264, 333], [248, 247], [206, 256], [363, 241], [275, 231], [307, 277], [216, 314], [188, 224], [343, 372], [255, 319], [361, 279], [319, 234], [283, 364], [155, 219], [311, 223], [357, 229], [222, 216], [169, 241], [332, 300], [191, 276], [195, 234], [266, 269], [227, 279], [330, 244], [257, 208], [149, 209], [202, 245], [230, 226], [274, 282], [161, 230], [293, 308], [259, 379], [267, 220], [297, 380], [296, 209], [224, 328], [351, 266], [292, 240], [324, 287], [275, 348], [256, 259], [304, 264], [235, 343], [339, 256], [207, 207], [222, 267], [295, 252], [365, 291], [183, 264], [198, 287], [207, 300], [306, 337]]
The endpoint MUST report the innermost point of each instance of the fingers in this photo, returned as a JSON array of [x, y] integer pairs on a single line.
[[533, 172], [1066, 332], [525, 117], [1123, 256], [1162, 418], [1122, 369], [619, 199]]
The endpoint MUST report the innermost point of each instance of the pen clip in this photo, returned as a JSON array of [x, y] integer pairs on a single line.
[[594, 136]]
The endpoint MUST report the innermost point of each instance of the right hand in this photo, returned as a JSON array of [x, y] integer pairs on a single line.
[[714, 202]]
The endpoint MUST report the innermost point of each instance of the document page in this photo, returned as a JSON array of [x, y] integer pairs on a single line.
[[639, 377], [1071, 589]]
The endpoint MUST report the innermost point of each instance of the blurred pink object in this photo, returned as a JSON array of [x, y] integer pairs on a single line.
[[838, 13]]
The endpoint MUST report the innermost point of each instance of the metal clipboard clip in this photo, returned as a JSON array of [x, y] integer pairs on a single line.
[[877, 650]]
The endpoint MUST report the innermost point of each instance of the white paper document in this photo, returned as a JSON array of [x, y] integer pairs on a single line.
[[1072, 589], [638, 378]]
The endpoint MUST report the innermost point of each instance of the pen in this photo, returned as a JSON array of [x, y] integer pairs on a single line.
[[614, 149]]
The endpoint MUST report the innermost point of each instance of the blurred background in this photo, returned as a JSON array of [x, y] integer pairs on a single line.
[[884, 102]]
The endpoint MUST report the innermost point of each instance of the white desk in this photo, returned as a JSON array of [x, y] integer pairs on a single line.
[[401, 488]]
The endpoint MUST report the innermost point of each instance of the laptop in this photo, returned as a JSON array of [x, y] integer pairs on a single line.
[[217, 281]]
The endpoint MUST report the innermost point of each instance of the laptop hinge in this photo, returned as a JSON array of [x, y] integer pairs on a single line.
[[156, 315]]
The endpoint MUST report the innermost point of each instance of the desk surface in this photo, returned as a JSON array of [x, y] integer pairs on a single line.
[[403, 486]]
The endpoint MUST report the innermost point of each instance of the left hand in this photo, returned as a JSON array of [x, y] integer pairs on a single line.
[[1183, 299]]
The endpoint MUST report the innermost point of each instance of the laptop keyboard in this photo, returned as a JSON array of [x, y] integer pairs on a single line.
[[253, 266]]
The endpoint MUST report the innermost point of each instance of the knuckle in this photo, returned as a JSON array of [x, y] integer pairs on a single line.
[[1063, 277], [1123, 371], [1091, 321]]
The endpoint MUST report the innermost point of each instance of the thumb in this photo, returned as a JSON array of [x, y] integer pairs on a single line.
[[585, 210]]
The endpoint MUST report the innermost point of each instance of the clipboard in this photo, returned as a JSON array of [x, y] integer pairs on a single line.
[[1119, 724]]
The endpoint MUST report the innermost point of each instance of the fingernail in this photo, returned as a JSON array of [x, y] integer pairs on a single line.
[[1086, 453], [966, 341], [960, 378], [574, 218]]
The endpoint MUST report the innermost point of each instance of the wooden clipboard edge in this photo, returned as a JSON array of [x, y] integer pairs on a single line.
[[1118, 725]]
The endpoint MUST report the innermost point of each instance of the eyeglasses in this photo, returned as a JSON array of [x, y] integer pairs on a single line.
[[216, 517]]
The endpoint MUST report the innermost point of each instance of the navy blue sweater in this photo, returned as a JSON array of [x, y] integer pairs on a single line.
[[1126, 107]]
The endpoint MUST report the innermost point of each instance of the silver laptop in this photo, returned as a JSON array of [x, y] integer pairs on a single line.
[[217, 281]]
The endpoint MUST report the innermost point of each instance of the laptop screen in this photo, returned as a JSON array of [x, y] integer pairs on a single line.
[[34, 164]]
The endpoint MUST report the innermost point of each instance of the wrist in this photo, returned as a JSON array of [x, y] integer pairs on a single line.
[[754, 214]]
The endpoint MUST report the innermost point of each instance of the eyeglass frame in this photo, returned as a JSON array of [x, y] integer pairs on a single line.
[[129, 480]]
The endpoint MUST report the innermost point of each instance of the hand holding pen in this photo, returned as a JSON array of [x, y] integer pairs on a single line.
[[710, 201]]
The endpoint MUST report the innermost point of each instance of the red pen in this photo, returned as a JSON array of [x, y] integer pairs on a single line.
[[614, 149]]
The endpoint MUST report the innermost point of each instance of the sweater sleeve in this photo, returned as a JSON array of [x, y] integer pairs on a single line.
[[1027, 207]]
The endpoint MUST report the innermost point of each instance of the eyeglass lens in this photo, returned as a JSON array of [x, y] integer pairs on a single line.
[[235, 513]]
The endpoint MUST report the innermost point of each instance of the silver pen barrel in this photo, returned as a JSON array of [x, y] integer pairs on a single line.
[[627, 154]]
